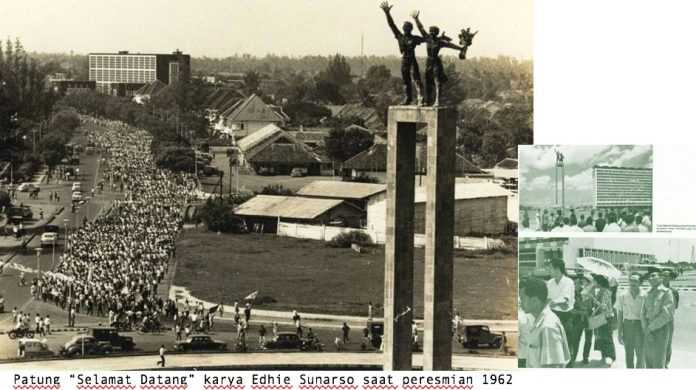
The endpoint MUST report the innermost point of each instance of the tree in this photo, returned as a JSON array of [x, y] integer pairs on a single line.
[[337, 71], [53, 149], [177, 159], [5, 200], [328, 92], [276, 189], [343, 144], [516, 119], [65, 120], [306, 113], [473, 124], [494, 147], [252, 81]]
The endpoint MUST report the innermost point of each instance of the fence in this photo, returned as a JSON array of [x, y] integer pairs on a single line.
[[326, 233]]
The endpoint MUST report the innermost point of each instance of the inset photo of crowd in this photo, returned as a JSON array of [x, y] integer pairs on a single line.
[[586, 188], [607, 302]]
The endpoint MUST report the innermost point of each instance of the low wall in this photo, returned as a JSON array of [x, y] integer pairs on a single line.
[[326, 233]]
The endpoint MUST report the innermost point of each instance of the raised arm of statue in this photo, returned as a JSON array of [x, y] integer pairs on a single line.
[[415, 15], [390, 21]]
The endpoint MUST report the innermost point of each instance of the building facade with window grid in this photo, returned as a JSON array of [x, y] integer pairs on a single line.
[[622, 187], [123, 73]]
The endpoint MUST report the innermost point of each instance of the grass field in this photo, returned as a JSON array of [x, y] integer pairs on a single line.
[[310, 276]]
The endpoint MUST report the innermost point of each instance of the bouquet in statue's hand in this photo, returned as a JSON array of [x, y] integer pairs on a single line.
[[466, 37]]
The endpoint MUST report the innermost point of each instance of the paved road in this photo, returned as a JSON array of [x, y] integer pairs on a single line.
[[19, 297], [286, 360], [224, 331]]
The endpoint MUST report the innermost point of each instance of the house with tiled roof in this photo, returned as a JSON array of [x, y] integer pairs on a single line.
[[250, 115], [373, 162], [368, 115], [272, 150]]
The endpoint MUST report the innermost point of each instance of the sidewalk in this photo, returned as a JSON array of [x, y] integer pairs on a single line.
[[178, 293]]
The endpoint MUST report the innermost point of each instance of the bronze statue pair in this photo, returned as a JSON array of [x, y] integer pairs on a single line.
[[434, 70]]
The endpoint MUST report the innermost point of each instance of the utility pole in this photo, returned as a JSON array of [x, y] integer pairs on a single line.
[[38, 262]]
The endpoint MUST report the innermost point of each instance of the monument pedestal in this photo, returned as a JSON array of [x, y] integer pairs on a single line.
[[398, 294]]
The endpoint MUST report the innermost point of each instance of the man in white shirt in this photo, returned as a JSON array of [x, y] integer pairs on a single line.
[[561, 295], [630, 331], [546, 344], [612, 225]]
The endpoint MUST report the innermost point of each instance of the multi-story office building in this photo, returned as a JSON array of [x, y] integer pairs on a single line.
[[123, 73], [622, 187], [536, 253]]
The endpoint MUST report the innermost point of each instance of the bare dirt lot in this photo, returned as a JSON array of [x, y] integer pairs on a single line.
[[311, 276]]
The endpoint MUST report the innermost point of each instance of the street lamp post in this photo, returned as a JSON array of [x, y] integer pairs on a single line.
[[66, 221], [38, 263]]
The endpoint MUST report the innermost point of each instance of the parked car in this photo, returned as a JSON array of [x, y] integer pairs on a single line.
[[48, 239], [76, 196], [110, 335], [27, 187], [34, 348], [200, 343], [23, 212], [20, 333], [86, 343], [284, 340], [51, 229], [475, 336], [76, 186], [298, 172]]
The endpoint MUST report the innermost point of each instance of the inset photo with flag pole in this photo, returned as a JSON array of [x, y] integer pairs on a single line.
[[586, 188]]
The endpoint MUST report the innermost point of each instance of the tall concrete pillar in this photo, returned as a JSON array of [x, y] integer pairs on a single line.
[[439, 242], [402, 127], [398, 275]]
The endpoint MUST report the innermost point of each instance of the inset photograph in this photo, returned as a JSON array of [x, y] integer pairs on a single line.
[[607, 303], [586, 188]]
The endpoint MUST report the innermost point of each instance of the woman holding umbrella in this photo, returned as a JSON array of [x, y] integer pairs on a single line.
[[604, 340]]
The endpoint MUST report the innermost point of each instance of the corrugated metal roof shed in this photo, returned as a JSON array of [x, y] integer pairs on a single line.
[[341, 189], [469, 191], [258, 136], [296, 207]]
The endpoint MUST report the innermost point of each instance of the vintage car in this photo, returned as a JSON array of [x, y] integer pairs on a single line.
[[476, 336], [76, 196], [87, 345], [49, 238], [34, 348], [200, 343], [111, 336], [27, 187], [285, 340]]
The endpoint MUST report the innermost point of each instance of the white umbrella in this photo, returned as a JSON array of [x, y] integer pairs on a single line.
[[599, 267]]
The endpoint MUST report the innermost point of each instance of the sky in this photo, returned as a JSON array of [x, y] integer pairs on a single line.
[[537, 170], [220, 28]]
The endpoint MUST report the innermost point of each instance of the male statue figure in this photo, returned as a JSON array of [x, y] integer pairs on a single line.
[[434, 71], [407, 47]]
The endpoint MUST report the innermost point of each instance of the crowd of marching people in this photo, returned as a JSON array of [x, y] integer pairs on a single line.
[[113, 265], [559, 313], [615, 220]]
